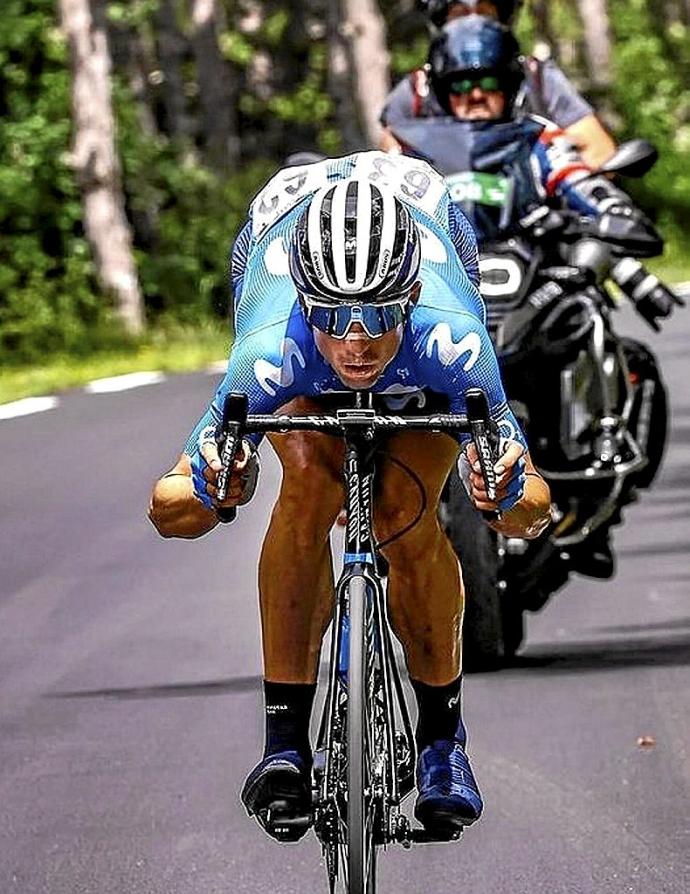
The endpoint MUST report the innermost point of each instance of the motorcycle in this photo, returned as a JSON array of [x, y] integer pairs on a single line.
[[592, 404]]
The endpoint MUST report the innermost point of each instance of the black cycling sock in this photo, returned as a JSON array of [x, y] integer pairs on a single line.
[[439, 712], [288, 712]]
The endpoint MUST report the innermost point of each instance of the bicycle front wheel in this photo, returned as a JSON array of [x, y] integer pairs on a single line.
[[361, 851]]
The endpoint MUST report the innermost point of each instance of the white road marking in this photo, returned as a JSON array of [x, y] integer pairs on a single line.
[[123, 383], [218, 367], [26, 406]]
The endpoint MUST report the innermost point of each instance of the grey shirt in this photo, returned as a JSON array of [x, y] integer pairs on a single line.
[[548, 93]]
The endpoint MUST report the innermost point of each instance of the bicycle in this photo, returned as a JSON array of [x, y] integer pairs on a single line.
[[365, 753]]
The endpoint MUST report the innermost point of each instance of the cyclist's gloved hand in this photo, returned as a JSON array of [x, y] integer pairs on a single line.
[[204, 462], [510, 469], [510, 476], [206, 465]]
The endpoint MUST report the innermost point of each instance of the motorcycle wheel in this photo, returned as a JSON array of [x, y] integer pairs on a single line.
[[642, 362], [492, 629]]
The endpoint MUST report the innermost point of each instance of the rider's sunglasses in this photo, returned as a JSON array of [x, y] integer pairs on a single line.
[[464, 86], [483, 8], [375, 319]]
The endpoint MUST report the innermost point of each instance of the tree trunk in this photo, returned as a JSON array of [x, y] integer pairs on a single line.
[[217, 101], [341, 78], [172, 51], [95, 159], [365, 30], [542, 20], [597, 34]]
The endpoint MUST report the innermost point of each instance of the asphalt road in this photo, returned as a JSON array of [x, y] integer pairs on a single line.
[[130, 672]]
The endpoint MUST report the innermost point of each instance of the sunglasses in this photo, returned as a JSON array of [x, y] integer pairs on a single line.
[[482, 8], [489, 83], [375, 319]]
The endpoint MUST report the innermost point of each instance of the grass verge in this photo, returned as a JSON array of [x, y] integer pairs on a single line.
[[180, 350]]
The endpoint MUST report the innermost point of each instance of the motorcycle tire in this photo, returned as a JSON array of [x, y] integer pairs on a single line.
[[643, 363], [484, 644]]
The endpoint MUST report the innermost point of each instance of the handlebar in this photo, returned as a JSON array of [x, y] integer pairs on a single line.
[[364, 422]]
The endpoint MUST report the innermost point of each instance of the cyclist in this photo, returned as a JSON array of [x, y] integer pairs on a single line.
[[539, 86], [348, 277]]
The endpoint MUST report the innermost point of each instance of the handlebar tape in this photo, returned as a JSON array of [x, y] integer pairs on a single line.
[[235, 411], [485, 443]]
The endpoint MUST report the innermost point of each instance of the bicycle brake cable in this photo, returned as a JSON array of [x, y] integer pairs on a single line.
[[415, 478]]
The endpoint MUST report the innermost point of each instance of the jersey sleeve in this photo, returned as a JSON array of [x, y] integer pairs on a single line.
[[456, 353], [563, 104], [465, 242], [238, 260], [269, 371]]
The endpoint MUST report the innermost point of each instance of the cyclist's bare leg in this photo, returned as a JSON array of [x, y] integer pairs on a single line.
[[295, 569], [425, 592]]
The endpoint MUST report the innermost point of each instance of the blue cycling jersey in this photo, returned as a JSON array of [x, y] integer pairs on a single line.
[[445, 347]]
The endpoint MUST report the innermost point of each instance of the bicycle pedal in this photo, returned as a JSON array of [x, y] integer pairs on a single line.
[[425, 836], [280, 822]]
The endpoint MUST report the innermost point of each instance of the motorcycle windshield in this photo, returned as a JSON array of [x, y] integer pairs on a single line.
[[486, 165]]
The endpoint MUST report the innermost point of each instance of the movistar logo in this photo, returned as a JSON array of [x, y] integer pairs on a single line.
[[272, 377], [450, 351]]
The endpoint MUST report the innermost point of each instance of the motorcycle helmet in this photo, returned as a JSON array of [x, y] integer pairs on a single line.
[[475, 45], [438, 10]]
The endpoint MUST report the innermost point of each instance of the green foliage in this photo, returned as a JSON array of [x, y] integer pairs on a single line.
[[47, 296], [184, 215], [195, 212], [652, 93], [407, 57]]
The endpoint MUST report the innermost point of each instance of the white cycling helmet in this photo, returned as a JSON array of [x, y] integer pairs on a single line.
[[356, 242]]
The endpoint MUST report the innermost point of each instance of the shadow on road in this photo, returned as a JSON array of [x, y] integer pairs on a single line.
[[230, 686], [654, 549], [602, 655], [671, 624], [664, 498]]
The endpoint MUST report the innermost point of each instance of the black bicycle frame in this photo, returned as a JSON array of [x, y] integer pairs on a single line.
[[361, 559], [362, 428]]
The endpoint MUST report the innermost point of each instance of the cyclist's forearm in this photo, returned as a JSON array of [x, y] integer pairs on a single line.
[[531, 514], [175, 511]]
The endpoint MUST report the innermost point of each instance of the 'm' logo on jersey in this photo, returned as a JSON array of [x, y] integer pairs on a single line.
[[449, 351], [272, 377]]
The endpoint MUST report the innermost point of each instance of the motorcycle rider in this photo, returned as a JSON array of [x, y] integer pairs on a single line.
[[544, 89], [476, 76]]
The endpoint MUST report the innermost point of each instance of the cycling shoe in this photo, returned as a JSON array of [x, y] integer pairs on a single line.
[[278, 793], [448, 797]]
